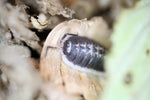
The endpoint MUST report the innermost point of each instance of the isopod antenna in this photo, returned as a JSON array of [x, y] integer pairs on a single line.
[[50, 47], [57, 48]]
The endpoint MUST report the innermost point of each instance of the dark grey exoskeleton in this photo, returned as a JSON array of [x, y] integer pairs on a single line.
[[81, 53]]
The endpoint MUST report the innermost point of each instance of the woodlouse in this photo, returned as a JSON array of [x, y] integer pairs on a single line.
[[81, 53]]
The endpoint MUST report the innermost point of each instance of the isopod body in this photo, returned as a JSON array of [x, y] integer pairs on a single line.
[[82, 53]]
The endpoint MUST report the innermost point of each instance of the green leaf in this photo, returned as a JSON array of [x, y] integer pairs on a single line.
[[128, 63]]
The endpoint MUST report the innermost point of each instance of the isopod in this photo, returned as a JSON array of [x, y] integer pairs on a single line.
[[81, 53]]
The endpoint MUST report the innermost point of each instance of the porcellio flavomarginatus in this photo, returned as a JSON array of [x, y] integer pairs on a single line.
[[81, 53]]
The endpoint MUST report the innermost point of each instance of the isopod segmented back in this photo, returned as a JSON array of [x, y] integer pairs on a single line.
[[82, 52]]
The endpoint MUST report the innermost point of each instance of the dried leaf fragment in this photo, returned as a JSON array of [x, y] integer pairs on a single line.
[[62, 75], [52, 7], [16, 21]]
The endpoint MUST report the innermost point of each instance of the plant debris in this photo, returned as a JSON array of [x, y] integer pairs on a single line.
[[24, 27]]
